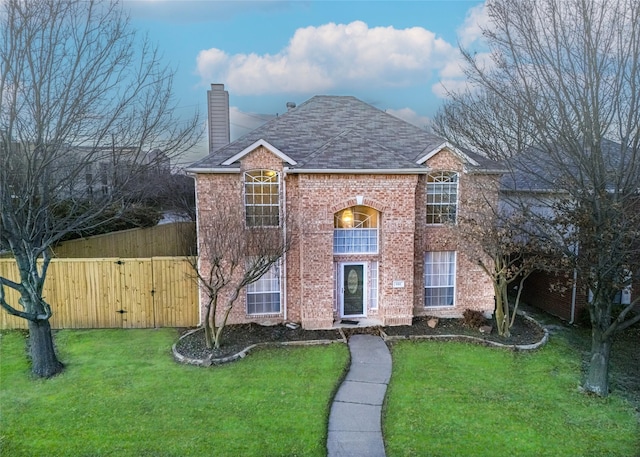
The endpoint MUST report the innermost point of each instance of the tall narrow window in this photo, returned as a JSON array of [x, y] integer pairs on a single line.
[[263, 296], [373, 285], [262, 198], [355, 231], [439, 278], [442, 197]]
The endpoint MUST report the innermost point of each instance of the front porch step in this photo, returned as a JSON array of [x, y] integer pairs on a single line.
[[360, 322]]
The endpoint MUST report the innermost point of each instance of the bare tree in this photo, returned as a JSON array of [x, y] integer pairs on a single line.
[[480, 121], [82, 101], [232, 256], [173, 192], [565, 75], [506, 252]]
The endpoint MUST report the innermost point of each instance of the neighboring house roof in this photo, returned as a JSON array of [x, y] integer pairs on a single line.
[[532, 171], [340, 134]]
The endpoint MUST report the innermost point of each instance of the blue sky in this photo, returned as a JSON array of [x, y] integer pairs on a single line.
[[396, 55]]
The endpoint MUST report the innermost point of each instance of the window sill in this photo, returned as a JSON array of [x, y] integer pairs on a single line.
[[264, 315]]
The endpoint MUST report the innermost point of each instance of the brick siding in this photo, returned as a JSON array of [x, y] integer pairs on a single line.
[[311, 202]]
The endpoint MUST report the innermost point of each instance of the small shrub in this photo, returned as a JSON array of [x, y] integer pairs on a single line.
[[473, 318]]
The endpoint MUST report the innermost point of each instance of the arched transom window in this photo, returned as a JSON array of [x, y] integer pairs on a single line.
[[355, 230], [262, 198]]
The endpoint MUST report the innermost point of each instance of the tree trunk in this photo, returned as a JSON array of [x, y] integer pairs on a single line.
[[44, 362], [502, 306], [597, 380], [208, 337], [499, 314]]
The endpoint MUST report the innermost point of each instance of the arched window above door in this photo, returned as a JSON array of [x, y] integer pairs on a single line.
[[355, 230]]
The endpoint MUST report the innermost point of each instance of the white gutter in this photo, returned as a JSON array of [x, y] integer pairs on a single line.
[[533, 191], [284, 239], [213, 170], [198, 250], [484, 171], [370, 171]]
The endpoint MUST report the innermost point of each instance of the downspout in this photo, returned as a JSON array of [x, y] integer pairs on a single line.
[[284, 236], [573, 295], [194, 176]]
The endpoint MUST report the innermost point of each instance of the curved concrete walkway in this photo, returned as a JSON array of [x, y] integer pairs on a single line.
[[355, 419]]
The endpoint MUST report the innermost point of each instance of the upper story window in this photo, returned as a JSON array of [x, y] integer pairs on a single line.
[[262, 198], [355, 231], [442, 197]]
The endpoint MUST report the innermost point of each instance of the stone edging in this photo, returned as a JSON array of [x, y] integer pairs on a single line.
[[242, 354], [475, 339], [207, 362]]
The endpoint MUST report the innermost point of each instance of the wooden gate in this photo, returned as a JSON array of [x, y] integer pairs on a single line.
[[114, 293]]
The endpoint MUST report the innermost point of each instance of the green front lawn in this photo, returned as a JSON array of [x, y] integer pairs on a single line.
[[454, 399], [122, 395]]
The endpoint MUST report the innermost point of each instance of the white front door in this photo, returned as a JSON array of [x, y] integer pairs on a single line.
[[352, 289]]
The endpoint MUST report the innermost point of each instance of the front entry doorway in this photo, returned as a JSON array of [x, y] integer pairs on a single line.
[[352, 289]]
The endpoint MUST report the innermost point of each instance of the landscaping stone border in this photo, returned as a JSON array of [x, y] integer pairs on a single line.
[[475, 339], [209, 361]]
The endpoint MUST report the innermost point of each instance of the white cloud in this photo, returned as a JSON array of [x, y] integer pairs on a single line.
[[476, 20], [452, 77], [455, 80], [453, 68], [409, 115], [446, 86], [321, 58]]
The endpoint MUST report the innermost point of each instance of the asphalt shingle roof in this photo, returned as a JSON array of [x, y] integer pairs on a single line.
[[340, 133], [532, 171]]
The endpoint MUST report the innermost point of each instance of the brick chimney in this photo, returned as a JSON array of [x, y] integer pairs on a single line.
[[218, 106]]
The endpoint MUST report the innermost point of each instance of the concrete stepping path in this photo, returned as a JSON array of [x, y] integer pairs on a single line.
[[355, 419]]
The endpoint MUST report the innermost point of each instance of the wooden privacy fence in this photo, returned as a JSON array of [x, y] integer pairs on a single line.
[[113, 293], [175, 239]]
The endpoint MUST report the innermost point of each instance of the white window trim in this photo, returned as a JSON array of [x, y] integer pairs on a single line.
[[244, 196], [455, 280], [365, 294], [249, 292], [374, 285], [354, 230], [457, 203]]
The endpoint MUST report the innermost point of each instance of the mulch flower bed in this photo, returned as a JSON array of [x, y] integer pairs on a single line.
[[238, 337], [523, 331]]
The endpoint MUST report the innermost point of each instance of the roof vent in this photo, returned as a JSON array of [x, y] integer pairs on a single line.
[[290, 106]]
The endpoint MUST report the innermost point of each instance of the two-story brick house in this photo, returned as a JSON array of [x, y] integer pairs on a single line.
[[376, 200]]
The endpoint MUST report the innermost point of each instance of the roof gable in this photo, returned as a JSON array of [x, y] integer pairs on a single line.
[[252, 147], [446, 145]]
